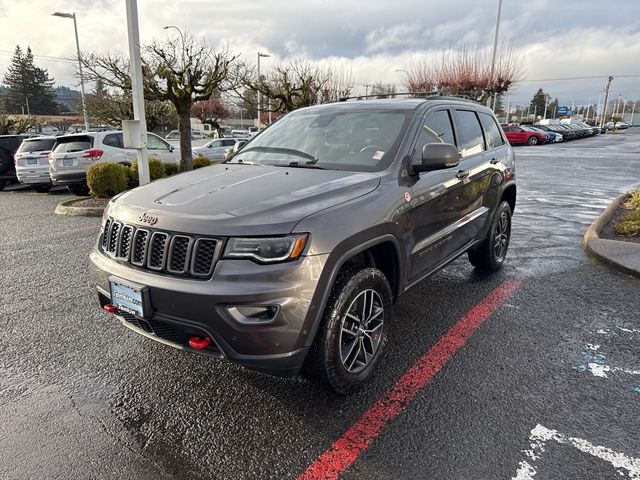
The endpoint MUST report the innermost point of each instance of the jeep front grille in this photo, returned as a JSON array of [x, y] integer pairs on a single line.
[[176, 254]]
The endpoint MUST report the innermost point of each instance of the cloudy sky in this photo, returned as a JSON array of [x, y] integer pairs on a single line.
[[558, 39]]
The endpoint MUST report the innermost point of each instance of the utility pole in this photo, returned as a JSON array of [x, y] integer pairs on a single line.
[[139, 124], [633, 110], [588, 108], [495, 50], [606, 99], [546, 104]]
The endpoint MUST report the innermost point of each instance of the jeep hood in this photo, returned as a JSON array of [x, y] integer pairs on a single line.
[[233, 199]]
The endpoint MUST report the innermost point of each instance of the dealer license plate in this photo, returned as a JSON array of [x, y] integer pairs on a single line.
[[67, 162], [128, 298], [32, 161]]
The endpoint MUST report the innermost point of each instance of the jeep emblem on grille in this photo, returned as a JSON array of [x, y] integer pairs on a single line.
[[145, 218]]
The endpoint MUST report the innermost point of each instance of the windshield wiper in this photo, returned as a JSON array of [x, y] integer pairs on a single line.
[[304, 165], [289, 151]]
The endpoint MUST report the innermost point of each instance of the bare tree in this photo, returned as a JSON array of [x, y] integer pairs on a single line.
[[211, 111], [16, 124], [180, 72], [296, 85], [466, 70], [113, 108]]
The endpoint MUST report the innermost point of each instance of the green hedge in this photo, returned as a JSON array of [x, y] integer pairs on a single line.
[[171, 169], [107, 179], [201, 161], [156, 171]]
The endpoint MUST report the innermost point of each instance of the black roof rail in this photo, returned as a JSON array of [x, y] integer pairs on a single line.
[[385, 95], [435, 95]]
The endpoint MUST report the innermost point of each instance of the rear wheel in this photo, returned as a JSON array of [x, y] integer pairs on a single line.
[[82, 190], [490, 254], [43, 188], [532, 141], [353, 332]]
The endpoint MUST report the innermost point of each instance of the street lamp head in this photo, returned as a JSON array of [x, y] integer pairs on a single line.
[[63, 15], [263, 55]]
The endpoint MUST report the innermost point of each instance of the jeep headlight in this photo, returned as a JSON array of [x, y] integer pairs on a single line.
[[267, 250]]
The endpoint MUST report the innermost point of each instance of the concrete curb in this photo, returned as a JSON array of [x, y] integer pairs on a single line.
[[67, 208], [624, 256]]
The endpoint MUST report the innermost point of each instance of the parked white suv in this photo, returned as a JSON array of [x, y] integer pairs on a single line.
[[32, 166], [74, 154]]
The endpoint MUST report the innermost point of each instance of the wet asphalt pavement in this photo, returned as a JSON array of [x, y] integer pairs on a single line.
[[81, 396]]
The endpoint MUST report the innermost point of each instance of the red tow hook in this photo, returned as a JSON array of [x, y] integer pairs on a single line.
[[199, 342], [109, 308]]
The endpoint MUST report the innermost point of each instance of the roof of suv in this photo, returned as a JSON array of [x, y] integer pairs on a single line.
[[401, 103]]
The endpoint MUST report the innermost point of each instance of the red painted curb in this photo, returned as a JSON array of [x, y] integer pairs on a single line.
[[357, 439]]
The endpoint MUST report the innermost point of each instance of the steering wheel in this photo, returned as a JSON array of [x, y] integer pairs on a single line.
[[370, 147]]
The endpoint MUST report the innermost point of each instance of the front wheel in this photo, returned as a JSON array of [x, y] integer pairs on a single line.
[[532, 141], [490, 254], [354, 330]]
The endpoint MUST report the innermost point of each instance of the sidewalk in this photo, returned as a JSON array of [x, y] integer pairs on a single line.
[[624, 256]]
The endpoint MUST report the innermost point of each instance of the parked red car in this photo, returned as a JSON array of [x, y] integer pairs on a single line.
[[518, 134]]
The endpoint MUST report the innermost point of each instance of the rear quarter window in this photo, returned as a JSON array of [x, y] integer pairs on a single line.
[[73, 144]]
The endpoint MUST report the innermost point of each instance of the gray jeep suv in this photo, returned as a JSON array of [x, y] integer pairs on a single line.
[[290, 255]]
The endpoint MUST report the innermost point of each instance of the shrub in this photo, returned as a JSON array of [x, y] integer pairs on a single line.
[[634, 199], [201, 161], [629, 225], [171, 169], [107, 179], [156, 171]]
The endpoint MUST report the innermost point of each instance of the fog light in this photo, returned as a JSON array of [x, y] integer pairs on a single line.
[[253, 314]]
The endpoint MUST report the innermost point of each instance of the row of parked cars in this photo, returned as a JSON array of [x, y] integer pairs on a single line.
[[44, 161], [548, 133]]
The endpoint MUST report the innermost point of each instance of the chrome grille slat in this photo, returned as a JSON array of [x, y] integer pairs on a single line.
[[159, 251]]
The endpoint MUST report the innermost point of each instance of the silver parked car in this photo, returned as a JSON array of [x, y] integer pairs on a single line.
[[32, 165], [74, 154], [215, 149]]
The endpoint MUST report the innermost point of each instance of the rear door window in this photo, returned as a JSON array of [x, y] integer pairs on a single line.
[[492, 133], [37, 145], [73, 144], [472, 141]]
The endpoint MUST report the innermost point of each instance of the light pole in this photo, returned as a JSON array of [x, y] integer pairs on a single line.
[[260, 55], [181, 36], [75, 27], [495, 49]]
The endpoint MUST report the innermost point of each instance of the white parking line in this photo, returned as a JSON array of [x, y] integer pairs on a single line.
[[541, 435]]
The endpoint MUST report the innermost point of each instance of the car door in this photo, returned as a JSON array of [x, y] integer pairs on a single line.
[[161, 149], [434, 212], [477, 164]]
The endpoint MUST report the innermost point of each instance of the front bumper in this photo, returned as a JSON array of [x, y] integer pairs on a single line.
[[184, 307]]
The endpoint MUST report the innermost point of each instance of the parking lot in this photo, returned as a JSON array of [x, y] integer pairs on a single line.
[[543, 379]]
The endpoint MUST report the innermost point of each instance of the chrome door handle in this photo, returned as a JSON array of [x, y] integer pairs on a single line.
[[494, 161], [462, 174]]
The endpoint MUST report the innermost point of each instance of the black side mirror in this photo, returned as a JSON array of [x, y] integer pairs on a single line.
[[437, 156]]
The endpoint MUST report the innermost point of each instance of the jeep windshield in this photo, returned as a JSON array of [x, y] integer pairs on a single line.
[[363, 140]]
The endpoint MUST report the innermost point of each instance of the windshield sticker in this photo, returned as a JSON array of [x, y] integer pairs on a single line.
[[378, 155]]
